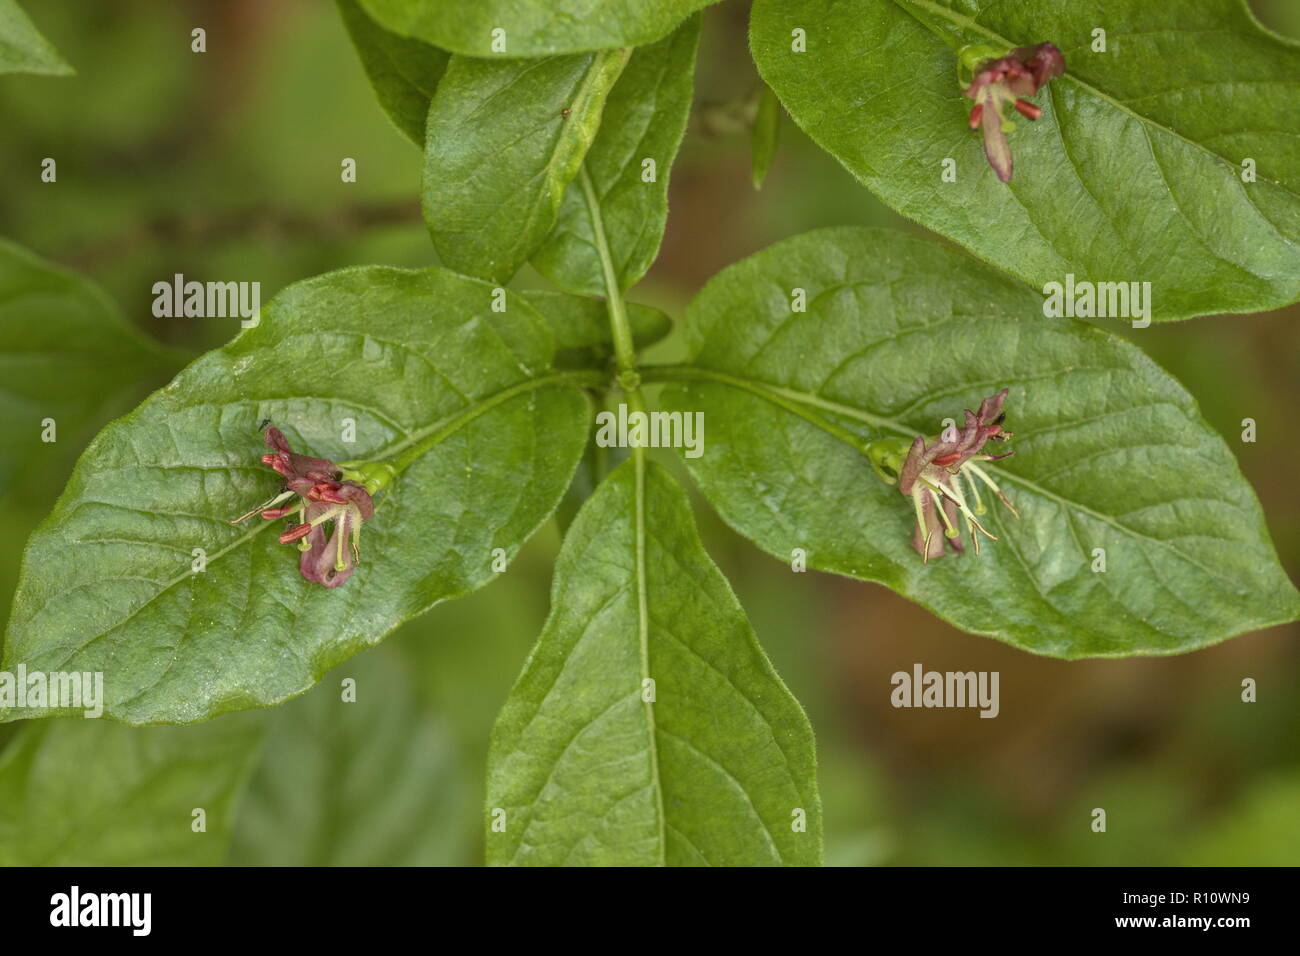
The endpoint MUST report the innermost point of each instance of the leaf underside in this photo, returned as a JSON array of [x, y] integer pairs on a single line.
[[67, 354], [23, 49], [95, 793], [404, 73], [368, 779]]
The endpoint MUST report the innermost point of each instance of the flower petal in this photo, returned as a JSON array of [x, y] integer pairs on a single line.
[[995, 144]]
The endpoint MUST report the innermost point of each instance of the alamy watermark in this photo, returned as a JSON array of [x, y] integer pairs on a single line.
[[207, 300], [54, 690], [922, 688], [75, 908], [637, 429], [1100, 300]]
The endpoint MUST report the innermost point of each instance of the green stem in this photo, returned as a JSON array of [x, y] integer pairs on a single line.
[[620, 328], [630, 381]]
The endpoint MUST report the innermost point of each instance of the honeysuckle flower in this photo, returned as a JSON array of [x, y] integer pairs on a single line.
[[929, 471], [1001, 80], [318, 492]]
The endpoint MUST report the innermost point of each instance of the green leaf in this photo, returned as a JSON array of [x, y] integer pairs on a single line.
[[372, 781], [581, 326], [767, 129], [67, 354], [93, 793], [900, 333], [505, 139], [533, 27], [586, 771], [456, 396], [403, 72], [644, 119], [23, 49], [1133, 173]]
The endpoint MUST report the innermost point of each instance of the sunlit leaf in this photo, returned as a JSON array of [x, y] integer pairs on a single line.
[[513, 28], [457, 396], [1169, 158], [1137, 533]]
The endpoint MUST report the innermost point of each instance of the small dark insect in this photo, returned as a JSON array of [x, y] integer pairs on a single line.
[[265, 422], [564, 112]]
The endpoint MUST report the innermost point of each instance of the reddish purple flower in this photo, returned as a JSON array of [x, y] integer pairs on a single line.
[[1001, 81], [316, 491], [929, 471]]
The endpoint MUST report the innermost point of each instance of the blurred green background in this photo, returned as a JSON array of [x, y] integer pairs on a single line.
[[226, 165]]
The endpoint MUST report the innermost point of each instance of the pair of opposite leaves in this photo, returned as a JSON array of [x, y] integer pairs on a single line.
[[1057, 583], [1113, 455]]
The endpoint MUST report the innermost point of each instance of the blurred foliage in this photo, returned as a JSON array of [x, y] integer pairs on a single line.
[[225, 165]]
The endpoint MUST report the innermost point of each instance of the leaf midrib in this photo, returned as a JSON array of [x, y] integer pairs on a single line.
[[426, 439], [585, 95], [776, 394], [625, 351]]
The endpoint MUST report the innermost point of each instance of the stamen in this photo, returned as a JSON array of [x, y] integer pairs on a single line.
[[1010, 506], [979, 508], [917, 492], [982, 530], [326, 515], [938, 490], [296, 533], [1028, 110], [955, 494], [269, 503], [975, 469], [340, 533]]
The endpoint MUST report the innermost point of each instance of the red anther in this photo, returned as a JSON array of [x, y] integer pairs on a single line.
[[975, 115], [279, 462], [296, 533], [270, 514], [944, 460], [328, 493], [1028, 109]]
